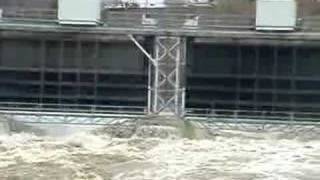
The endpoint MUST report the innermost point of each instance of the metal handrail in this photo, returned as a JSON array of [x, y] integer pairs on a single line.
[[49, 107], [109, 113], [254, 115], [141, 110]]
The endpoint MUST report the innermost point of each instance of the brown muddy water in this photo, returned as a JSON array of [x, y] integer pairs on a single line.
[[161, 152]]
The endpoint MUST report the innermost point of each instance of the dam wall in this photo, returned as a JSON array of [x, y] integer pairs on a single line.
[[61, 70], [159, 60]]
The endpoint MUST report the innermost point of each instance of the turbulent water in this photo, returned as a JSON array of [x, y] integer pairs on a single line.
[[162, 152]]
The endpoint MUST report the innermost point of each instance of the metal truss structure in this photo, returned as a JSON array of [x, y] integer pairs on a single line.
[[167, 83], [166, 88]]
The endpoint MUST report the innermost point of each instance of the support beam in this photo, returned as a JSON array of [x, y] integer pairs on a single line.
[[166, 89], [149, 56]]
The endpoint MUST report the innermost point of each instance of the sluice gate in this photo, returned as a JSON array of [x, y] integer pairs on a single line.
[[254, 80], [163, 61]]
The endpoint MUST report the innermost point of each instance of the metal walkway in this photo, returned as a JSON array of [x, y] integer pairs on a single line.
[[116, 115]]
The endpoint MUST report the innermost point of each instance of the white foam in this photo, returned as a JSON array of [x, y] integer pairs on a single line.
[[231, 155]]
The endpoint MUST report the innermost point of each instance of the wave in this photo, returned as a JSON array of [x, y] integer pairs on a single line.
[[160, 149]]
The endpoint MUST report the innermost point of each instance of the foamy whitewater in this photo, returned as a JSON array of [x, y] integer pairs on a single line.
[[163, 153]]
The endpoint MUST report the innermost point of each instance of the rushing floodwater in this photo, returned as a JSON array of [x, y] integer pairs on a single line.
[[161, 153]]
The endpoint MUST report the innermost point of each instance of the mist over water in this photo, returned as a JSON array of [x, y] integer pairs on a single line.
[[162, 150]]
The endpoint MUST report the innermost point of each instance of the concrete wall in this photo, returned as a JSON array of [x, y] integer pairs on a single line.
[[41, 4]]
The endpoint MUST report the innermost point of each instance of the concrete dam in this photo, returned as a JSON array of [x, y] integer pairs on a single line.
[[116, 90], [186, 61]]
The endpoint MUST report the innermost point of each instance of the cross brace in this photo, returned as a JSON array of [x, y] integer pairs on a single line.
[[166, 90]]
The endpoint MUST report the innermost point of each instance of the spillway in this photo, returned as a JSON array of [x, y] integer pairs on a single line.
[[177, 92]]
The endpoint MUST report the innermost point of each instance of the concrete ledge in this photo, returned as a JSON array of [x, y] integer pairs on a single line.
[[257, 41], [105, 30]]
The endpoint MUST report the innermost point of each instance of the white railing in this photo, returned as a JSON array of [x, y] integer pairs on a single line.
[[202, 114], [92, 110], [254, 115]]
